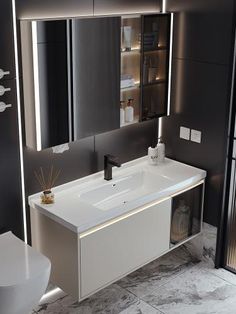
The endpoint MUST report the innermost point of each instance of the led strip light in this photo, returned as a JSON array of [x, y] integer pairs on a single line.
[[136, 211], [19, 119], [163, 6], [36, 86], [170, 63]]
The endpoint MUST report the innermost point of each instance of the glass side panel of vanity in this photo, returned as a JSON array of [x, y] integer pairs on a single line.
[[186, 215]]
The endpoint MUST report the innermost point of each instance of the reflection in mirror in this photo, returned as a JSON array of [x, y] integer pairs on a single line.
[[71, 79]]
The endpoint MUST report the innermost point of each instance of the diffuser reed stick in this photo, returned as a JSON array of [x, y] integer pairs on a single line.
[[47, 182]]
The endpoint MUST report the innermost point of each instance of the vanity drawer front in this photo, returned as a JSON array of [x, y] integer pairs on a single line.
[[116, 250]]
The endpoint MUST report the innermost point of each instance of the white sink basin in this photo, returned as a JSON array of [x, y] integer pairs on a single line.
[[122, 191]]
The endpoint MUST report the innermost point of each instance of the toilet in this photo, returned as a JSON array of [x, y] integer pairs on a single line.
[[24, 275]]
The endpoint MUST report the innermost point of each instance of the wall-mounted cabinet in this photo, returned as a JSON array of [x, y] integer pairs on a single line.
[[77, 71]]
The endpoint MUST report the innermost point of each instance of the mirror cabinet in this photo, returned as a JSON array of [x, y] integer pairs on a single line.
[[83, 77]]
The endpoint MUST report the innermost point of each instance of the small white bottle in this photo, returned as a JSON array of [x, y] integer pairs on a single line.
[[152, 155], [129, 111], [160, 151], [122, 113]]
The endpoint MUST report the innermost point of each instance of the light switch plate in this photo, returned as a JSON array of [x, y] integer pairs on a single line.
[[184, 133], [196, 136]]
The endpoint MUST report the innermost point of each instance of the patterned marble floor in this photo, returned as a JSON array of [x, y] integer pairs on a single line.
[[177, 283]]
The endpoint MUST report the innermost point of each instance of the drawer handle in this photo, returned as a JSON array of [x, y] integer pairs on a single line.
[[3, 73], [3, 106], [3, 90]]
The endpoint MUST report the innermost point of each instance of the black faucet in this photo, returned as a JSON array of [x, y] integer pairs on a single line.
[[109, 162]]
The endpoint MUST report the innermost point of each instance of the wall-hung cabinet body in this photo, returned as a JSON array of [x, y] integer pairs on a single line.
[[106, 7], [115, 248]]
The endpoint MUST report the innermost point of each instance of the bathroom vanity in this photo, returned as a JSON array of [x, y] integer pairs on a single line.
[[98, 232]]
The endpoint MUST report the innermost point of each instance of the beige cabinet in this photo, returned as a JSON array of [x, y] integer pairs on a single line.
[[116, 250]]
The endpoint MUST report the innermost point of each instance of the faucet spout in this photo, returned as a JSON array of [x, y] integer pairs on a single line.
[[109, 162]]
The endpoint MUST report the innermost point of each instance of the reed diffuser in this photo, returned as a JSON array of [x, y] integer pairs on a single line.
[[47, 182]]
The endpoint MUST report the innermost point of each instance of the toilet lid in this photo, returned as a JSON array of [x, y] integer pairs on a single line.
[[19, 262]]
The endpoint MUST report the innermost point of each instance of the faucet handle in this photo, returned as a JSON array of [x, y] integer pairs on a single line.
[[112, 160]]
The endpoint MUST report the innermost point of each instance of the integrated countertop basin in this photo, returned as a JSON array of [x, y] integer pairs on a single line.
[[124, 189], [90, 201]]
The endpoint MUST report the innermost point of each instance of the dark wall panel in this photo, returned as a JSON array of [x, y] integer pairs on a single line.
[[7, 62], [10, 180], [200, 90], [43, 9], [202, 29], [127, 143], [199, 101]]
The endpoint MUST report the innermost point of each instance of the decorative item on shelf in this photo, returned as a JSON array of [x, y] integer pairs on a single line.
[[47, 182], [129, 111], [122, 112], [180, 223], [127, 80], [127, 37]]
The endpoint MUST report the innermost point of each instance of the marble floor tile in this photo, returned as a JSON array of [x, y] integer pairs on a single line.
[[140, 307], [196, 291], [111, 300], [158, 272], [224, 274], [209, 242]]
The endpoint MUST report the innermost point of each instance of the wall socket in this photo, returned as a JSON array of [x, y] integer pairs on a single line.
[[184, 133], [190, 135], [196, 136]]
